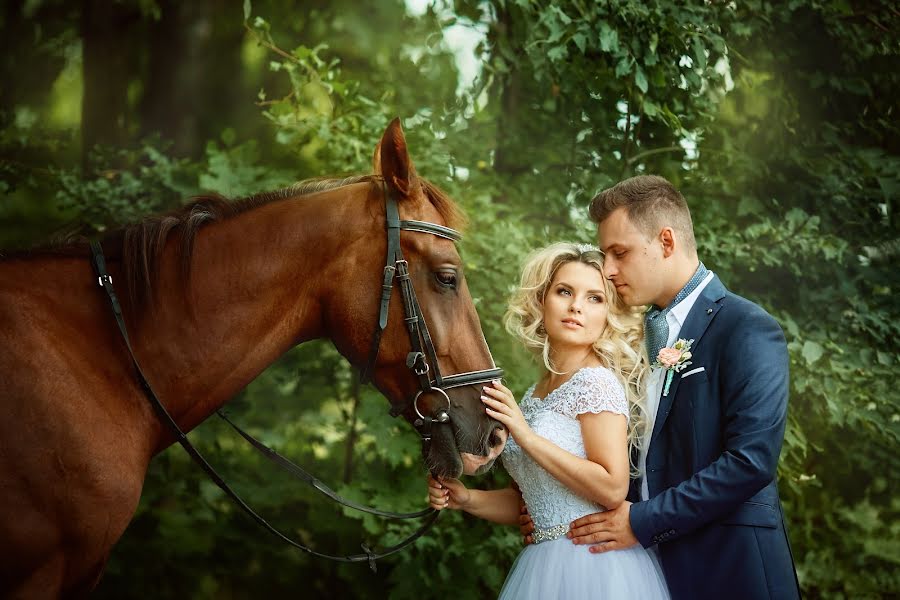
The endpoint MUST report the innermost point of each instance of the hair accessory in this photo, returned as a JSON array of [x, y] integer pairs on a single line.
[[583, 248]]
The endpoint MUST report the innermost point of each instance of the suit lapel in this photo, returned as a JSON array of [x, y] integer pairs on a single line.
[[698, 319]]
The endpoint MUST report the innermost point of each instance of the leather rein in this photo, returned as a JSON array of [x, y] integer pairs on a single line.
[[421, 360]]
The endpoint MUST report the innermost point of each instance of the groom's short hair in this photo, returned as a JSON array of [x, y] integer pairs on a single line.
[[651, 203]]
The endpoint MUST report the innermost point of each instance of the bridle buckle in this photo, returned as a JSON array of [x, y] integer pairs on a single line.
[[416, 361]]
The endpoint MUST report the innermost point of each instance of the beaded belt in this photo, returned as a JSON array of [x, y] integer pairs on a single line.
[[550, 533]]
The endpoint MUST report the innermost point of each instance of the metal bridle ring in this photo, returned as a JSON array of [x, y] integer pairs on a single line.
[[416, 400]]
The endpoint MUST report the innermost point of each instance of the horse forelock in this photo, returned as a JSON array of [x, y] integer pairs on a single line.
[[449, 211]]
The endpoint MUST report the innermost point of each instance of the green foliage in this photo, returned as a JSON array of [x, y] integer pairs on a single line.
[[150, 181], [234, 170], [777, 122]]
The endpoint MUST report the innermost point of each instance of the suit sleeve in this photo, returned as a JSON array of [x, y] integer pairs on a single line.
[[754, 394]]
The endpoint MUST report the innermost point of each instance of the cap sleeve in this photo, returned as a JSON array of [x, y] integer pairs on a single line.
[[594, 390]]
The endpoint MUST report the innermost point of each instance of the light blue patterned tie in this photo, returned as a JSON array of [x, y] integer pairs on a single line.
[[656, 328]]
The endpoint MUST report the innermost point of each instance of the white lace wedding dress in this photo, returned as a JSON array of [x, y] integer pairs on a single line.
[[554, 567]]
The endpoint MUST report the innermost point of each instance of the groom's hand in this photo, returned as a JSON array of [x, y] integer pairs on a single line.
[[526, 525], [610, 530]]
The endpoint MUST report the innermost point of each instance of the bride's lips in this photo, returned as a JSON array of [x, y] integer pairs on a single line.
[[572, 322]]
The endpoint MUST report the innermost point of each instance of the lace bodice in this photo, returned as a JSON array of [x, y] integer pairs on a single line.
[[589, 390]]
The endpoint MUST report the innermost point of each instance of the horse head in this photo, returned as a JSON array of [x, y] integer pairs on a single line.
[[468, 441]]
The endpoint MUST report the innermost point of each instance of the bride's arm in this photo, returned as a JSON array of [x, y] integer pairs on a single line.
[[498, 506], [601, 477]]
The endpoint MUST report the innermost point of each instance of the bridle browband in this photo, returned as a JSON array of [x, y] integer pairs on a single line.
[[422, 360]]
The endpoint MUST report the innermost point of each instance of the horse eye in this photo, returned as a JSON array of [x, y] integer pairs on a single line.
[[446, 278]]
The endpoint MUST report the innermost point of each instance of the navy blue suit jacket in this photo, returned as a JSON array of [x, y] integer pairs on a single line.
[[714, 511]]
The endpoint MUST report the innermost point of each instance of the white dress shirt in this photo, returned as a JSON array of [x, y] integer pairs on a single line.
[[675, 318]]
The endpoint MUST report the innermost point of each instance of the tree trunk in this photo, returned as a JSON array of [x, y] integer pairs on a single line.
[[191, 85], [110, 65], [27, 79]]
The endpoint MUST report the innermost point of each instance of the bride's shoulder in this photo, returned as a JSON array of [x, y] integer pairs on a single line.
[[599, 381], [597, 374], [596, 390]]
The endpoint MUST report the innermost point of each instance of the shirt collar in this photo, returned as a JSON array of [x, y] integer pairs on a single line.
[[680, 312]]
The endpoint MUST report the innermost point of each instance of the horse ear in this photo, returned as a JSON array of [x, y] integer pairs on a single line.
[[393, 161]]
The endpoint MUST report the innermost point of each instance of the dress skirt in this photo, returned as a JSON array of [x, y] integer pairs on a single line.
[[561, 569]]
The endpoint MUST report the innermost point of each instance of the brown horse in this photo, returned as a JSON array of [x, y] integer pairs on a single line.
[[211, 295]]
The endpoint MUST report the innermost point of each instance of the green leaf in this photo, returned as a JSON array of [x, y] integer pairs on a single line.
[[699, 54], [640, 79], [557, 30], [581, 41], [566, 19], [812, 351], [885, 358], [609, 38], [557, 53], [246, 10], [624, 67], [749, 205]]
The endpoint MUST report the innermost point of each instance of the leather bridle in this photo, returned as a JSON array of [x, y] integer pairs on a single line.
[[422, 359]]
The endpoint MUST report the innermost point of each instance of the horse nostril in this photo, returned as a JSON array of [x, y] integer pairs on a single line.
[[496, 439]]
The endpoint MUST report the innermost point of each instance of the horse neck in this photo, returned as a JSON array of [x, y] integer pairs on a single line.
[[254, 292]]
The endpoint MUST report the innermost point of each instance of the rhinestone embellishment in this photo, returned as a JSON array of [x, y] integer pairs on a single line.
[[550, 533]]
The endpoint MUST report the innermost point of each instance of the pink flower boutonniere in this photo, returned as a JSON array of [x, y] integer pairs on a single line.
[[674, 360]]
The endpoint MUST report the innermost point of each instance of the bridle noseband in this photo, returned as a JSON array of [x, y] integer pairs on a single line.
[[422, 359]]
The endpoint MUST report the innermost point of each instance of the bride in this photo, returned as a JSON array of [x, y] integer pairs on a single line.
[[572, 435]]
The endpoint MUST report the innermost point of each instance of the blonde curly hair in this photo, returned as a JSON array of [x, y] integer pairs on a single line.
[[620, 347]]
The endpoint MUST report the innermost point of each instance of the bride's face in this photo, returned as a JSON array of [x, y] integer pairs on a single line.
[[575, 306]]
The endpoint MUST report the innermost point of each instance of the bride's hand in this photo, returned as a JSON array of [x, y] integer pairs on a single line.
[[447, 493], [501, 405]]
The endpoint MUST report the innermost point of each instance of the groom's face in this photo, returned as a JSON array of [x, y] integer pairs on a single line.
[[633, 263]]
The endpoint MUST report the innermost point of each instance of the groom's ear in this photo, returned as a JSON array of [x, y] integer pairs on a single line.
[[667, 240]]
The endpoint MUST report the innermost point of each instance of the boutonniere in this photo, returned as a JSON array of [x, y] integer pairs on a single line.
[[674, 360]]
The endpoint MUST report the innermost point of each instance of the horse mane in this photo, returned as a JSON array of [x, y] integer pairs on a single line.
[[142, 243], [139, 246]]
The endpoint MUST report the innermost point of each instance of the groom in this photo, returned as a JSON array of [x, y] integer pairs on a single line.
[[708, 501]]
